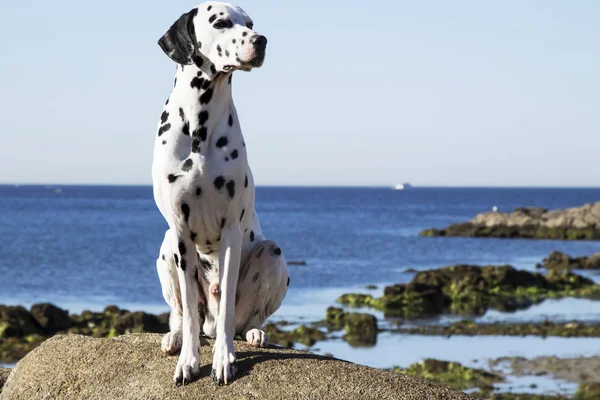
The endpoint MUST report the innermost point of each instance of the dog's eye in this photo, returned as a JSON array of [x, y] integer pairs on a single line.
[[249, 25], [222, 24]]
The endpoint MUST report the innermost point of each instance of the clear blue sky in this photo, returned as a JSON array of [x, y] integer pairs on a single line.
[[351, 93]]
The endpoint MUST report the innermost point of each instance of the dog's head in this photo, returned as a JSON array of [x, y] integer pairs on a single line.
[[219, 32]]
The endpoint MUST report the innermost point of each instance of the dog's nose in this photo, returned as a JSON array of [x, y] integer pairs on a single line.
[[259, 41]]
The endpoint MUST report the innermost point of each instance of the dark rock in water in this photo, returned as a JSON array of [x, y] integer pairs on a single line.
[[470, 289], [301, 262], [361, 329], [452, 374], [21, 331], [112, 310], [51, 318], [578, 223], [16, 321], [306, 335], [471, 328], [562, 261], [371, 287]]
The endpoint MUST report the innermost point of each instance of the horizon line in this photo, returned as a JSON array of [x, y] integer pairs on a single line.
[[412, 187]]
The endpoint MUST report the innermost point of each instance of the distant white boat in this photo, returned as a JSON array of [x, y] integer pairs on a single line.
[[402, 186]]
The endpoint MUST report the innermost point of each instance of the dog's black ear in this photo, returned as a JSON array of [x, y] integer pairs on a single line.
[[179, 41]]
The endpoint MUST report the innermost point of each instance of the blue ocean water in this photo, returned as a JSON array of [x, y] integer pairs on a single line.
[[89, 246]]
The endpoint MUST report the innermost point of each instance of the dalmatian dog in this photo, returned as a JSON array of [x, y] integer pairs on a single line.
[[215, 267]]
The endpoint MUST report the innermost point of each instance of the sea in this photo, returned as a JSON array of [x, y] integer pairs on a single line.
[[85, 247]]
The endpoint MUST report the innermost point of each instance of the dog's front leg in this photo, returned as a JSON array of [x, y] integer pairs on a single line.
[[188, 365], [223, 367]]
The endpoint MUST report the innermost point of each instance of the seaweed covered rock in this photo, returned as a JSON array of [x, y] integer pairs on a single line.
[[51, 318], [452, 374], [306, 335], [114, 322], [471, 289], [16, 321], [21, 330], [577, 223], [562, 261], [360, 328], [471, 328]]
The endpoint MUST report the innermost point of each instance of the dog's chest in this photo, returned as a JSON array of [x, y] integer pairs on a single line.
[[213, 187]]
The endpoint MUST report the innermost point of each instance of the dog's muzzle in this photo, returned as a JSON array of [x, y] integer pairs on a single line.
[[259, 42]]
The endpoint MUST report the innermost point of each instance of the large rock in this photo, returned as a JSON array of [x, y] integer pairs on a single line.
[[577, 223], [131, 367], [4, 372]]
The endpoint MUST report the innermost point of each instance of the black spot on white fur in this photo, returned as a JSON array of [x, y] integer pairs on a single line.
[[164, 116], [185, 209], [231, 189], [222, 142], [219, 182], [202, 117], [172, 178], [187, 165], [230, 121], [164, 129], [206, 96]]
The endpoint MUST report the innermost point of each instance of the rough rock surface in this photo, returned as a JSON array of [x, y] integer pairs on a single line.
[[577, 223], [4, 372], [131, 367]]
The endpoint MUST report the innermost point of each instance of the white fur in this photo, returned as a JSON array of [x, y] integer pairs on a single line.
[[214, 250]]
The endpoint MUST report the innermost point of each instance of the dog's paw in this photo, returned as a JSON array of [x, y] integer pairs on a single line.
[[224, 363], [256, 338], [187, 369], [171, 343]]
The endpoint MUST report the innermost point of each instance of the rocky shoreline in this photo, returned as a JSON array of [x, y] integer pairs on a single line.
[[466, 290], [577, 223], [22, 330], [472, 290]]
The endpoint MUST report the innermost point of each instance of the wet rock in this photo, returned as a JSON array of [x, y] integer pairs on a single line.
[[306, 335], [471, 328], [577, 223], [16, 321], [51, 318], [588, 391], [360, 329], [562, 261], [298, 262], [452, 374], [471, 289]]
